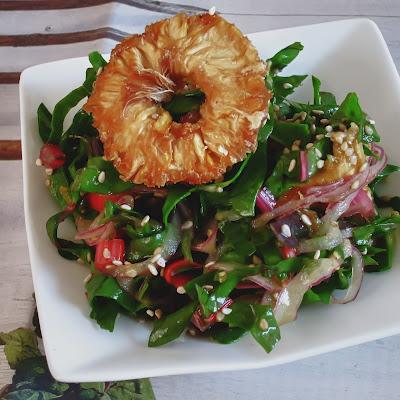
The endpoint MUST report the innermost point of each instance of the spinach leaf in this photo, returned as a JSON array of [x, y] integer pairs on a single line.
[[266, 130], [172, 326], [349, 110], [186, 245], [388, 170], [107, 300], [44, 122], [286, 133], [175, 195], [381, 260], [60, 190], [283, 86], [224, 334], [182, 103], [328, 98], [82, 125], [141, 248], [284, 57], [316, 87]]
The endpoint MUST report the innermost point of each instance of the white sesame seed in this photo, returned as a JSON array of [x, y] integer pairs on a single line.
[[329, 128], [318, 152], [226, 310], [292, 165], [306, 219], [264, 324], [38, 162], [344, 146], [318, 112], [349, 151], [187, 225], [102, 177], [219, 189], [353, 160], [309, 145], [47, 182], [313, 128], [152, 269], [363, 167], [317, 254], [355, 185], [328, 134], [87, 278], [303, 115], [209, 264], [222, 276], [364, 252], [286, 150], [150, 313], [161, 262], [49, 171], [126, 207], [79, 261], [192, 332], [106, 253], [324, 121], [131, 274], [158, 313], [145, 220], [208, 287], [297, 142], [180, 290], [319, 137], [220, 317], [212, 10], [371, 121], [320, 164], [155, 258], [368, 130], [295, 147], [285, 230], [117, 263], [354, 126], [287, 85]]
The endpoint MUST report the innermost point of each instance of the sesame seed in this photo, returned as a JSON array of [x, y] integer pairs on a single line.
[[295, 147], [220, 317], [313, 128], [219, 189], [342, 127], [154, 116], [355, 185], [47, 182], [158, 313], [38, 162], [368, 130], [349, 151], [152, 269], [320, 164], [180, 290], [212, 10], [145, 220], [363, 167], [155, 258], [286, 150], [158, 250], [318, 152], [126, 207], [150, 313], [318, 112], [87, 278], [264, 324], [292, 165], [319, 137], [309, 145], [371, 121], [257, 260], [317, 254], [353, 160], [222, 276], [161, 262], [285, 230], [102, 177], [79, 261], [344, 146], [49, 171], [364, 252], [209, 264], [226, 310], [110, 266], [354, 126], [131, 274], [208, 287], [303, 115], [329, 128], [187, 225], [287, 85], [192, 332], [106, 253], [297, 142], [117, 262], [306, 219], [324, 121]]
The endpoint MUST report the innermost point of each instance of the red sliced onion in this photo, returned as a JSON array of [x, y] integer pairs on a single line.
[[93, 235], [266, 283], [334, 192], [265, 200], [291, 296], [303, 166], [204, 323], [335, 210], [362, 204], [209, 246], [357, 269]]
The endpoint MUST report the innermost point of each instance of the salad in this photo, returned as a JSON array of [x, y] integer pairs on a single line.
[[297, 221]]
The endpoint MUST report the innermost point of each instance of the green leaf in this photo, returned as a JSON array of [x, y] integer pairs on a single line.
[[175, 195], [266, 130], [144, 247], [44, 122], [182, 103], [172, 326], [224, 334], [186, 246], [284, 57], [59, 188], [137, 389], [388, 170], [316, 87], [286, 133], [19, 345], [328, 98], [349, 110], [283, 86]]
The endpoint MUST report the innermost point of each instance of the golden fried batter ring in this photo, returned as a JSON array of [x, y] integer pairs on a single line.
[[140, 137]]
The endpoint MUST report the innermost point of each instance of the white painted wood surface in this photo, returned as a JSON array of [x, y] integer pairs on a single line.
[[368, 371]]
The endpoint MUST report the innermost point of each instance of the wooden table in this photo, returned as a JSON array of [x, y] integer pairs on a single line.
[[36, 31]]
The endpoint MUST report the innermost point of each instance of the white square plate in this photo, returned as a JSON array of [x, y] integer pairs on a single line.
[[347, 56]]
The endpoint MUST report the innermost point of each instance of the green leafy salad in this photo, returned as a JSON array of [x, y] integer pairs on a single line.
[[299, 221]]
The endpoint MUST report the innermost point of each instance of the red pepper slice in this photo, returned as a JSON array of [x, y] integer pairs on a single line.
[[288, 252], [180, 272], [108, 251], [98, 201], [52, 156], [204, 323]]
